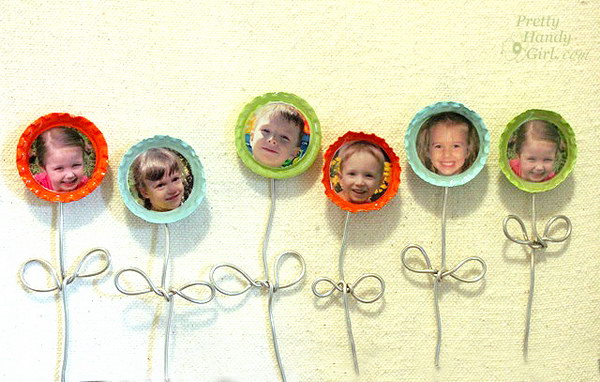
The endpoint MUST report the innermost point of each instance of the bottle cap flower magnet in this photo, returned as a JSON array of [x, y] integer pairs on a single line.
[[360, 172], [62, 157], [537, 150], [161, 179], [447, 144], [278, 135]]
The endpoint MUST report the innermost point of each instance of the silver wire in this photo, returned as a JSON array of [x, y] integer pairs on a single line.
[[271, 287], [61, 282], [167, 293], [348, 289], [535, 243], [61, 230], [343, 246], [441, 273], [268, 229], [167, 337], [167, 256]]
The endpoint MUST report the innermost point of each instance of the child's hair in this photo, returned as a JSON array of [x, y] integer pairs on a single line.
[[452, 119], [60, 136], [285, 111], [152, 165], [361, 146], [536, 129]]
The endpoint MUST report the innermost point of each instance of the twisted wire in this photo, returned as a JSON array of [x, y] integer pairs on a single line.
[[348, 289], [61, 280], [266, 283], [441, 273], [167, 293], [271, 287], [535, 243]]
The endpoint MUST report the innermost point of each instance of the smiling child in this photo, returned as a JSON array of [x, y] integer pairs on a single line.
[[60, 153], [157, 174], [447, 144], [276, 138], [361, 171], [536, 144]]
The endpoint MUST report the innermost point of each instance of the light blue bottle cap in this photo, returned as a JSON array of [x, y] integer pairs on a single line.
[[410, 142], [192, 173]]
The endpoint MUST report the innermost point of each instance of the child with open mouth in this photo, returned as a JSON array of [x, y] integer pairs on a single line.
[[447, 144], [361, 171]]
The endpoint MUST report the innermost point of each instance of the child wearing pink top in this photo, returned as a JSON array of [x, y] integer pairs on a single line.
[[60, 153]]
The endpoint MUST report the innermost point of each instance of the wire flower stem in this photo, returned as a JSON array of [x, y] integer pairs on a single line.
[[536, 243], [440, 274], [270, 286], [167, 293], [348, 289], [62, 280]]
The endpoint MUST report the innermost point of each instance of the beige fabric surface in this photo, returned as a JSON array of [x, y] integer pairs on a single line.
[[186, 69]]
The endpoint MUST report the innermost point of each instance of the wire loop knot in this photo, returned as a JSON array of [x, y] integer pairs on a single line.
[[349, 288], [439, 274], [94, 255], [537, 242], [267, 284], [167, 294]]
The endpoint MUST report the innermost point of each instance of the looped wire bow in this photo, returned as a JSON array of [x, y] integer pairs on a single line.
[[537, 242], [259, 283], [439, 274], [350, 288], [102, 255], [162, 292]]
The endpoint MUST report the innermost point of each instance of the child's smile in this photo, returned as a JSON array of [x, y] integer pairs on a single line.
[[274, 141], [64, 166], [360, 177], [448, 149], [537, 159], [166, 193]]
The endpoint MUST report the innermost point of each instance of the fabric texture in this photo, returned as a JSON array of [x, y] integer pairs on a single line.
[[187, 69]]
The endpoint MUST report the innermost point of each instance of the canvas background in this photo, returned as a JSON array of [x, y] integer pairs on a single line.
[[186, 69]]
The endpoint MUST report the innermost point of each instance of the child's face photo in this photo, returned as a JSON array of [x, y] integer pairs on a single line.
[[360, 177], [164, 194], [448, 147], [61, 159], [537, 159], [535, 151], [65, 168], [160, 179], [275, 140]]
